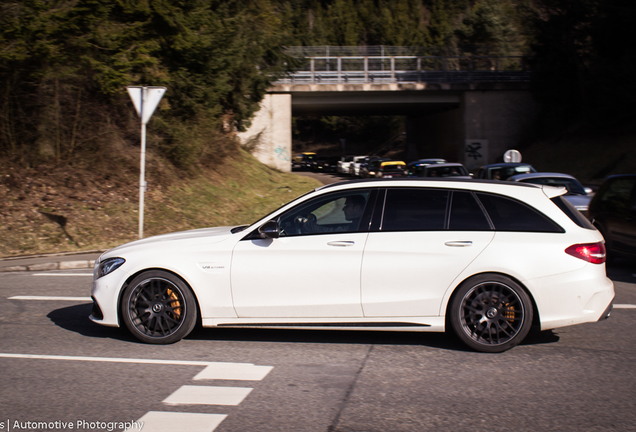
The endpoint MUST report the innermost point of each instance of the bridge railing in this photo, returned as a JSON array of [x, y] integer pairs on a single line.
[[325, 69]]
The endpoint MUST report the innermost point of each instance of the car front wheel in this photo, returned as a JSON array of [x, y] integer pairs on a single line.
[[491, 313], [158, 308]]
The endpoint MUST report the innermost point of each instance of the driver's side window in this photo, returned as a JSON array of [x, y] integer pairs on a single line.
[[336, 212]]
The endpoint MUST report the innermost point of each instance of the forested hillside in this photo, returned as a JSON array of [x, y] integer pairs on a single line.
[[65, 65]]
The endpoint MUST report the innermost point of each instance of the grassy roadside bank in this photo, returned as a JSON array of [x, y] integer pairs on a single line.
[[62, 211]]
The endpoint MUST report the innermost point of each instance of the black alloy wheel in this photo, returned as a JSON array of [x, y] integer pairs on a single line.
[[158, 308], [491, 313]]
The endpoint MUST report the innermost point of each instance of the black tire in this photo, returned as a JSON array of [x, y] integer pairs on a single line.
[[158, 308], [491, 313]]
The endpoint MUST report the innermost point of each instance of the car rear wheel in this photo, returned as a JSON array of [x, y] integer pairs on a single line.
[[491, 313], [158, 308]]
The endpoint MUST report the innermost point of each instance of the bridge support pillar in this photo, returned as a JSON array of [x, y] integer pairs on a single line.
[[478, 131], [269, 137], [493, 122]]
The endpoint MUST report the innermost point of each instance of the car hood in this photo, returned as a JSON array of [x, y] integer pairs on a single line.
[[191, 237]]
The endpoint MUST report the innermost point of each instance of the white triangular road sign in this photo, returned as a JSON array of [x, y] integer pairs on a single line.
[[145, 100]]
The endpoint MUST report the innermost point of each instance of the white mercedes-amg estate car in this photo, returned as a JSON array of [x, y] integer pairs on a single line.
[[487, 259]]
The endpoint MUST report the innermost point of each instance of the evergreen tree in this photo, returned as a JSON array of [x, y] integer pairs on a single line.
[[64, 67]]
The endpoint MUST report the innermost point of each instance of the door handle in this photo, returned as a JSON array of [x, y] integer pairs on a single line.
[[341, 243], [459, 243]]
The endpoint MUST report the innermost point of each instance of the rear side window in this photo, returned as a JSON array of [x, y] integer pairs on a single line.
[[466, 213], [571, 212], [510, 215], [413, 209]]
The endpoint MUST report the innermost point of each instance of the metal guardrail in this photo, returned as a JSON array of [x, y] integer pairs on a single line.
[[327, 69]]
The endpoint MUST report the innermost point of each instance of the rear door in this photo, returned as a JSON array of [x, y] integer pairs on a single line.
[[424, 239]]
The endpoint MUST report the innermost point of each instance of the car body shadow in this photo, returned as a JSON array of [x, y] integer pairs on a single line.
[[75, 319]]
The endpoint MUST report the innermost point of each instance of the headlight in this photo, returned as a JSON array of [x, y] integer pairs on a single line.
[[107, 266]]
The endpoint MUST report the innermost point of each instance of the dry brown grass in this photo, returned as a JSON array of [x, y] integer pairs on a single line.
[[63, 209]]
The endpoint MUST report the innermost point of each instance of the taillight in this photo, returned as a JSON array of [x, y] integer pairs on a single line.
[[590, 252]]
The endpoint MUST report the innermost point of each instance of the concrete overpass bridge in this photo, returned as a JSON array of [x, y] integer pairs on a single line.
[[469, 109]]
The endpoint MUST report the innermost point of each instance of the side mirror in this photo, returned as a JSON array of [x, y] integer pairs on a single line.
[[269, 230], [588, 190]]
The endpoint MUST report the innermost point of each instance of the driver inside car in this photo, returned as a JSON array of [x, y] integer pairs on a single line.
[[353, 209]]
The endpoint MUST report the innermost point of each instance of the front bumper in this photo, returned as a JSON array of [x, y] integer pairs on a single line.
[[105, 295]]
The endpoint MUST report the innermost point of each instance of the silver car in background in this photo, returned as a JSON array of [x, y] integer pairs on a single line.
[[577, 195]]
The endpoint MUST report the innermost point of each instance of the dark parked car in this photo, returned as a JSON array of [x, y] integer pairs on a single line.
[[455, 170], [305, 161], [325, 164], [370, 165], [502, 171], [414, 168], [613, 212]]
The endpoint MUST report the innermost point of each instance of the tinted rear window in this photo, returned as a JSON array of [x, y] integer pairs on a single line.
[[510, 215], [466, 214], [412, 209], [571, 212]]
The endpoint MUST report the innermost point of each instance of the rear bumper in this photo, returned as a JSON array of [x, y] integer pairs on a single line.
[[565, 300]]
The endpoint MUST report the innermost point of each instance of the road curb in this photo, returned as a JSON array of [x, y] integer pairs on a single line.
[[61, 265]]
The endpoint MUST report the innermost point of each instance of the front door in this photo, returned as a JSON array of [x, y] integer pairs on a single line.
[[313, 269]]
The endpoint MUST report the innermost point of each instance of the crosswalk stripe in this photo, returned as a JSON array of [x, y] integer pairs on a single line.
[[208, 395], [159, 421], [624, 306], [234, 371]]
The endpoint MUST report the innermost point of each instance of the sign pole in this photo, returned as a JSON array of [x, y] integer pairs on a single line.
[[142, 176], [145, 100]]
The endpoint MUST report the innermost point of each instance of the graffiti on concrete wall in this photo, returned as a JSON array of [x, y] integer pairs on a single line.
[[282, 153], [475, 153]]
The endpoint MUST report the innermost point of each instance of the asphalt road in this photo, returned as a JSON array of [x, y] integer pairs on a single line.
[[57, 366]]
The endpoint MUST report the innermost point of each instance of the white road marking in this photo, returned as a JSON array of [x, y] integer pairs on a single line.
[[88, 299], [158, 421], [62, 274], [224, 367], [234, 371], [208, 395], [624, 306]]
